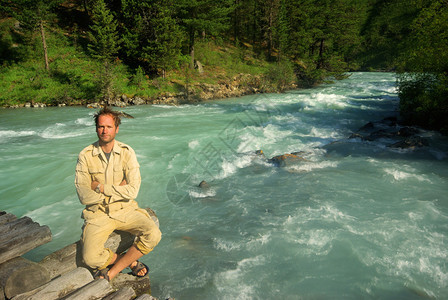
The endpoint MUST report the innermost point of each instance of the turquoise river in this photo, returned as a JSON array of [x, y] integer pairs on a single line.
[[355, 220]]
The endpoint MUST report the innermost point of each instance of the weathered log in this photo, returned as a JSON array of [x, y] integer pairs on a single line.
[[145, 297], [6, 217], [96, 289], [7, 267], [63, 260], [26, 279], [20, 236], [59, 287], [63, 264], [126, 293], [141, 285], [19, 275], [14, 227], [70, 257]]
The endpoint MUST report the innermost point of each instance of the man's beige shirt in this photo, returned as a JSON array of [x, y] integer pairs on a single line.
[[93, 166]]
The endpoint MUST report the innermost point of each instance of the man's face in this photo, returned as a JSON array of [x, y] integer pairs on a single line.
[[106, 129]]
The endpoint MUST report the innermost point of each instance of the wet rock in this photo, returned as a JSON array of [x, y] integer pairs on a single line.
[[356, 136], [287, 159], [39, 105], [95, 105], [411, 143], [198, 66], [204, 185], [259, 153], [390, 121], [117, 103], [381, 134], [408, 131], [368, 126], [137, 101]]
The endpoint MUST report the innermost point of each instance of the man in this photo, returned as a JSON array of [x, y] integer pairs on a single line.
[[107, 182]]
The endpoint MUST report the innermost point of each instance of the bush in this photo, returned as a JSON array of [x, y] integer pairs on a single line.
[[280, 75], [424, 99]]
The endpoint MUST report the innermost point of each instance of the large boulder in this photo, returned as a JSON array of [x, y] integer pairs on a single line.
[[411, 143], [287, 159]]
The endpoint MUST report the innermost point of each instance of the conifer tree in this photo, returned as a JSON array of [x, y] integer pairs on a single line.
[[423, 66], [104, 45], [103, 36], [204, 17], [34, 16], [152, 38]]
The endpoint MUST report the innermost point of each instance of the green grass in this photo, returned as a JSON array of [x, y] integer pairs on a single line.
[[74, 76]]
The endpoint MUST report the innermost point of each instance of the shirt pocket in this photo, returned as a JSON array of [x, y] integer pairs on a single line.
[[119, 174], [97, 175]]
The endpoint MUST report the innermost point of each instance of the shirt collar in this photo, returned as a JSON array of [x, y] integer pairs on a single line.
[[97, 150]]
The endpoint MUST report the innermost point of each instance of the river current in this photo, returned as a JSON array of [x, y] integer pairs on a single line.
[[355, 220]]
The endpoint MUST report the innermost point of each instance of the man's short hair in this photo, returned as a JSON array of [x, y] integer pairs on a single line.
[[108, 111]]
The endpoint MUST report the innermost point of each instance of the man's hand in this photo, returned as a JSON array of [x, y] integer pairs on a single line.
[[95, 184]]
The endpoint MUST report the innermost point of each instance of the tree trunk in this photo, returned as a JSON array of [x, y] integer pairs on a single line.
[[192, 49], [44, 43], [236, 21], [269, 29], [321, 53], [85, 7]]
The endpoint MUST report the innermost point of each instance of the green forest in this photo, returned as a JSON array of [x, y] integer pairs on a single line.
[[80, 51]]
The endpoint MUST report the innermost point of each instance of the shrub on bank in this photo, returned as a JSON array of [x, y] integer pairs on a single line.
[[424, 100]]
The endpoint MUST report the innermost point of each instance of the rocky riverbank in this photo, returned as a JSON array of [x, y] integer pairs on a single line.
[[237, 86]]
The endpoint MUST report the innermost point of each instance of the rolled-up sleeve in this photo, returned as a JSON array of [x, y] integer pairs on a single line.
[[83, 182]]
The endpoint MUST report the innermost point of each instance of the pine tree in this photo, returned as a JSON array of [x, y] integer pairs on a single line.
[[34, 16], [423, 66], [104, 45], [152, 38], [104, 40], [204, 17]]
